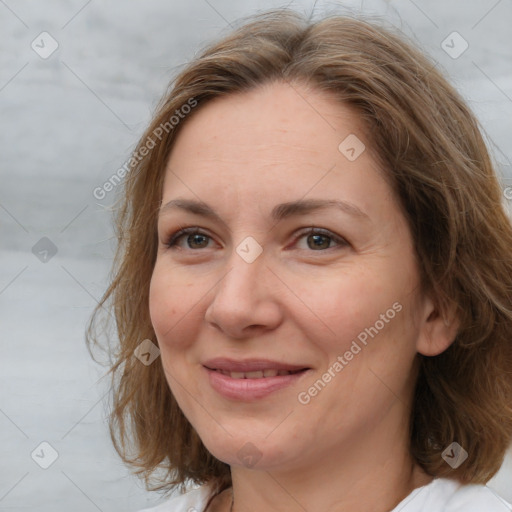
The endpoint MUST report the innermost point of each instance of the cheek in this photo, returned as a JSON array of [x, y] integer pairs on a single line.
[[364, 317], [168, 306], [159, 302], [342, 307]]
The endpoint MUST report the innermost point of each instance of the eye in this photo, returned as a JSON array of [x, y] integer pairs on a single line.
[[196, 239], [317, 239], [321, 239]]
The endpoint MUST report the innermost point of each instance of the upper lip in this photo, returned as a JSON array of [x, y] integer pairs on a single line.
[[249, 365]]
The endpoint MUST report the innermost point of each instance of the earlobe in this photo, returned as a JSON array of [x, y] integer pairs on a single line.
[[437, 331]]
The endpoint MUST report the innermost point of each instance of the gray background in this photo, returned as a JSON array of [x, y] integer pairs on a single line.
[[68, 123]]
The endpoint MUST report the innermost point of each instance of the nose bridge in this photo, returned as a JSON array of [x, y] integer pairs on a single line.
[[246, 266], [241, 298]]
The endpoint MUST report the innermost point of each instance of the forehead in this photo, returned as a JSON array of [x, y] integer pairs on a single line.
[[277, 143], [275, 122]]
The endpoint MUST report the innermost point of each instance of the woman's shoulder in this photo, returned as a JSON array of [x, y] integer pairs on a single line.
[[193, 500], [445, 495]]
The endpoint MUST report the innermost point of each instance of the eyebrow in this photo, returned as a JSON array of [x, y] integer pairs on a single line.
[[279, 212]]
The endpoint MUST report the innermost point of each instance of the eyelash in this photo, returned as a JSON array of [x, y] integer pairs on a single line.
[[173, 238]]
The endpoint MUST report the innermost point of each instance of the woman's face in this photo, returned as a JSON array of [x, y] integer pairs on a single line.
[[254, 295]]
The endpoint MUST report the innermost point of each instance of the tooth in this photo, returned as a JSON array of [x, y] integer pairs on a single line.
[[254, 375]]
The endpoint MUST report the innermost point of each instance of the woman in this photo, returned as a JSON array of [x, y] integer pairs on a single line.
[[312, 240]]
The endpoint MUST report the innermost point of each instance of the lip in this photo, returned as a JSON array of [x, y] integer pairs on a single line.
[[249, 365], [248, 390]]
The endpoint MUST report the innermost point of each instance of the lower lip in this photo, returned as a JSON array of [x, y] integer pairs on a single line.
[[250, 389]]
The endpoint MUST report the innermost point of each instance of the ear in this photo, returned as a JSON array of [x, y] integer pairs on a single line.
[[436, 332]]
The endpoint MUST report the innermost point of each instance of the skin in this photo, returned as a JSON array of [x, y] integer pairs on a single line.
[[347, 449]]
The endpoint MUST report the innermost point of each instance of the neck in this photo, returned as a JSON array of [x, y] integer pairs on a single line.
[[355, 478], [279, 493]]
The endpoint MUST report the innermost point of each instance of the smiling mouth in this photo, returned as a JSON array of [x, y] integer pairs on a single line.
[[259, 374], [248, 381]]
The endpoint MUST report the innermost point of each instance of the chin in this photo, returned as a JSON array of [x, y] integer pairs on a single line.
[[251, 452]]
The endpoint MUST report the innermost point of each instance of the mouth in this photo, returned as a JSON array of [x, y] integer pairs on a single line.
[[252, 368], [253, 379], [258, 374]]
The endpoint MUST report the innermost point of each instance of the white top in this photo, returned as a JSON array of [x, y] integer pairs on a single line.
[[440, 495]]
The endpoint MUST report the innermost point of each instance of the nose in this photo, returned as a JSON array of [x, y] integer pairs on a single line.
[[245, 300]]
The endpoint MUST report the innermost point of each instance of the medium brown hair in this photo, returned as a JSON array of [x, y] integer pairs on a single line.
[[432, 151]]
